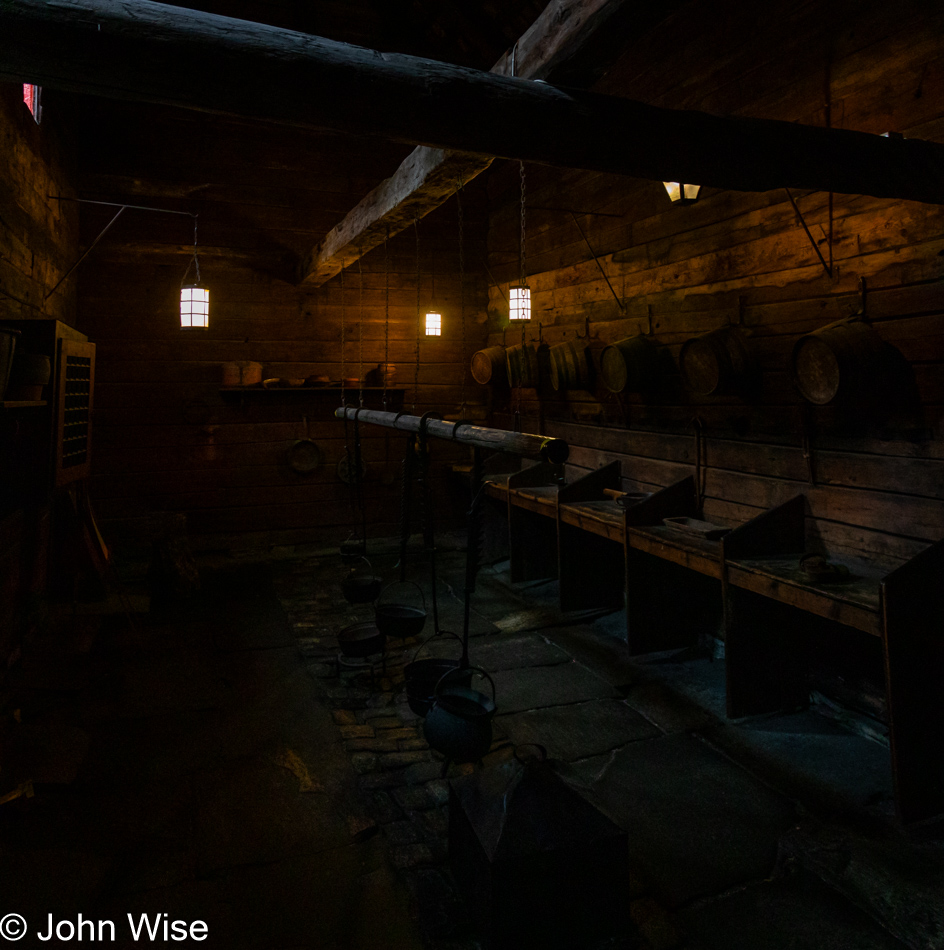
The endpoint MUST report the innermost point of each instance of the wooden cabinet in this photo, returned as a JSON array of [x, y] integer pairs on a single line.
[[46, 443], [75, 383]]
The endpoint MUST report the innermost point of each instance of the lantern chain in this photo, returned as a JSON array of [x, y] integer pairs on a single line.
[[196, 260], [521, 256], [462, 291], [360, 333], [343, 394], [419, 317], [386, 366], [521, 283]]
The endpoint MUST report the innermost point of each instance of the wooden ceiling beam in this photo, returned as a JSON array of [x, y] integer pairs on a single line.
[[154, 52], [428, 177]]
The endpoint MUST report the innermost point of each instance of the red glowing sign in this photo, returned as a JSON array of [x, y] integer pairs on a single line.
[[31, 96]]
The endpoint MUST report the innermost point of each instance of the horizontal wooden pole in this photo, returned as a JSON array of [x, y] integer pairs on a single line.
[[497, 440], [159, 53]]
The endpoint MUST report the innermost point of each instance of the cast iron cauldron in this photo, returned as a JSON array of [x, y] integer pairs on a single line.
[[360, 586], [352, 550], [422, 676], [361, 639], [459, 724], [400, 620]]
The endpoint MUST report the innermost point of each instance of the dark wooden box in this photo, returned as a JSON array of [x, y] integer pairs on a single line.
[[537, 865]]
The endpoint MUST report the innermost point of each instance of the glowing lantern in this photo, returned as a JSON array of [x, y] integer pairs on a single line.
[[519, 303], [194, 306], [681, 193], [433, 323]]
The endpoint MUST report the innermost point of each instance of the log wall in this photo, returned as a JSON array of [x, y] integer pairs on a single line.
[[166, 439], [872, 468], [38, 242]]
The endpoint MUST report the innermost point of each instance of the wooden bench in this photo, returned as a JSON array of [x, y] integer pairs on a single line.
[[766, 597], [748, 586]]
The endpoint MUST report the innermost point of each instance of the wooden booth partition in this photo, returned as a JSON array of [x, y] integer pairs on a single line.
[[590, 539], [776, 613], [672, 579], [532, 532]]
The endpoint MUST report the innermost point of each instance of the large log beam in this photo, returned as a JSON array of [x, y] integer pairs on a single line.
[[497, 440], [154, 52], [558, 41]]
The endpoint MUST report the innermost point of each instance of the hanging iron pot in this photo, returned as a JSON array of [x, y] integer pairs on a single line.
[[361, 639], [421, 676], [352, 550], [459, 723], [360, 586], [400, 620]]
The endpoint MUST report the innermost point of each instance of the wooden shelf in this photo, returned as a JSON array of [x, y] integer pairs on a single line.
[[334, 389], [23, 403]]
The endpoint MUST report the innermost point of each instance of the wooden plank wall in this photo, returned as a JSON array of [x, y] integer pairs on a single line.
[[165, 438], [734, 257], [38, 242], [38, 236]]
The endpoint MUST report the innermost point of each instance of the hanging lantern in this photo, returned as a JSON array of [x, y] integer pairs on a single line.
[[680, 192], [194, 306], [433, 323], [519, 302], [194, 297]]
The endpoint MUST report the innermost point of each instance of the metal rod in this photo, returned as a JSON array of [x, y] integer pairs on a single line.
[[619, 303], [88, 250], [595, 214], [118, 204], [800, 218], [497, 440], [471, 551]]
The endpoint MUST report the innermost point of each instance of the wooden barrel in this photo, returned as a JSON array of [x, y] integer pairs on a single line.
[[522, 365], [489, 367], [839, 360], [569, 368], [630, 365], [716, 362]]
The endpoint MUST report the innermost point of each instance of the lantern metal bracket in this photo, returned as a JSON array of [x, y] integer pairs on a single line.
[[829, 239], [111, 204], [586, 330], [595, 214], [619, 303]]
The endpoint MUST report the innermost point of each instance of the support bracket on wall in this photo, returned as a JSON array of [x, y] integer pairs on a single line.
[[828, 267], [111, 204], [619, 303]]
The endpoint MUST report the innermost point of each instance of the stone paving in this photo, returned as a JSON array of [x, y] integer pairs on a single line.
[[219, 765], [704, 833]]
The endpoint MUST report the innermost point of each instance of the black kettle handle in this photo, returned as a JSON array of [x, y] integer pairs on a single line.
[[400, 584], [463, 669]]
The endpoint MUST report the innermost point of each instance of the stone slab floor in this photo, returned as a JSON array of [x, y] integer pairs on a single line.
[[216, 764]]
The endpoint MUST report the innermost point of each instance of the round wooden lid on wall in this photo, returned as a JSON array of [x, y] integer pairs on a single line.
[[840, 360], [716, 362], [630, 365], [489, 366]]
